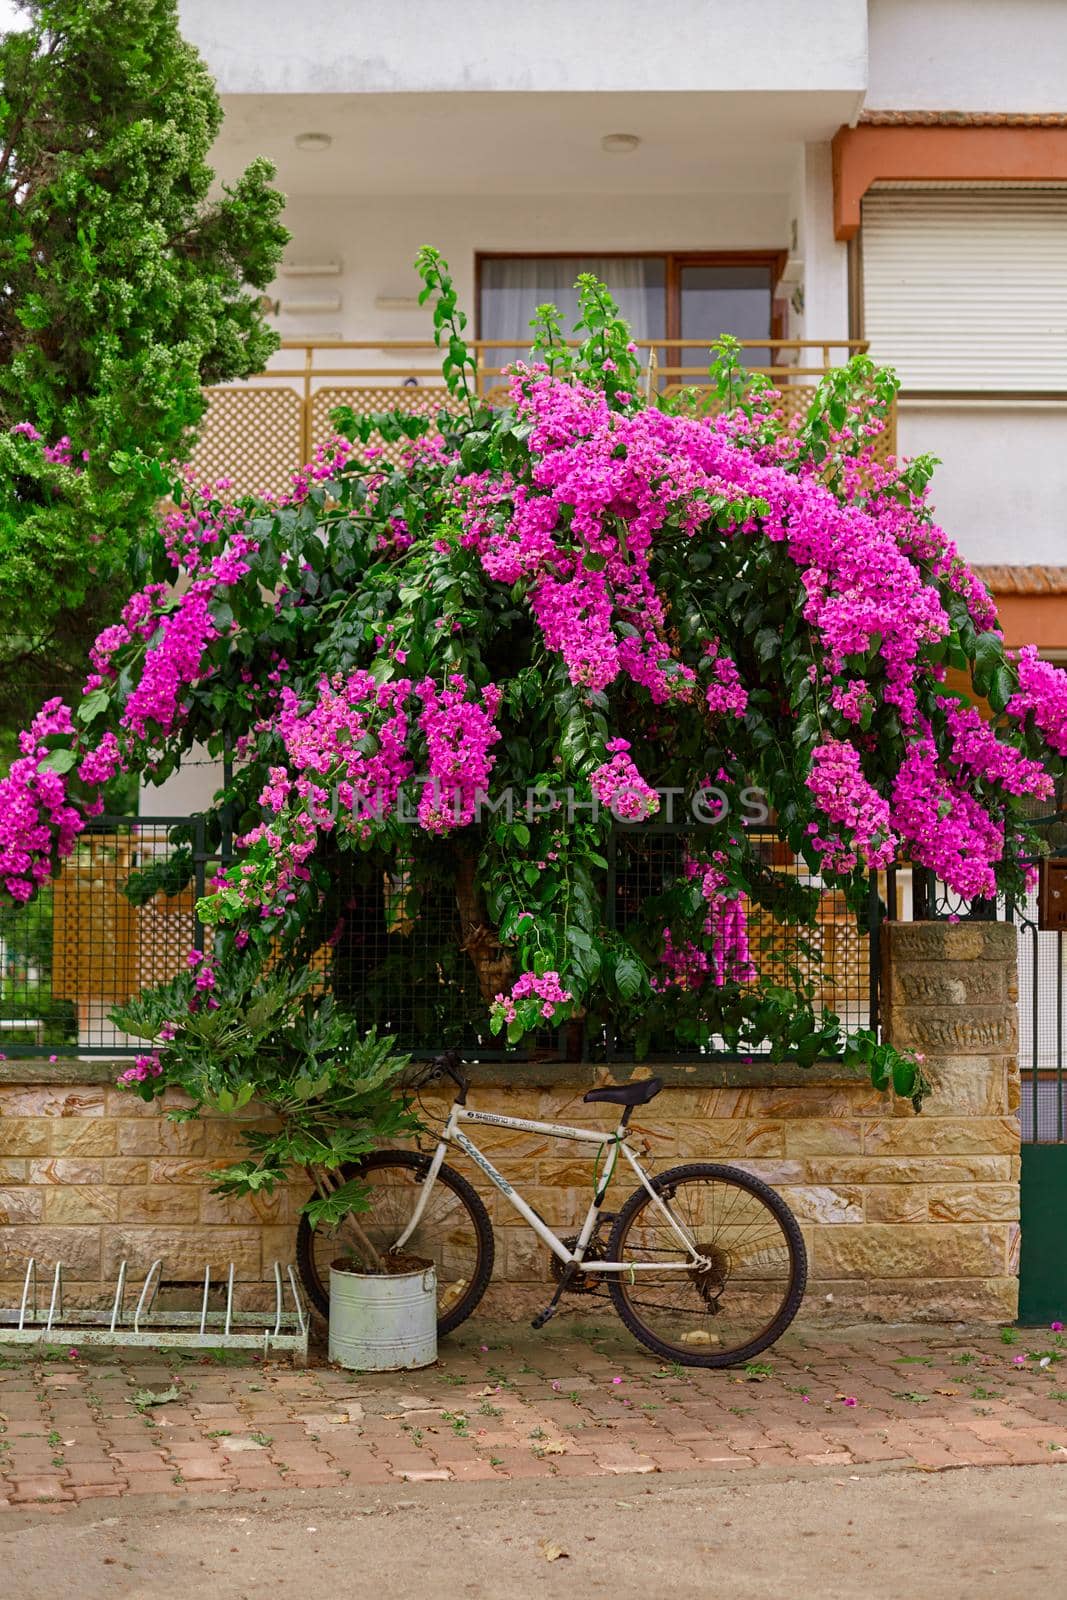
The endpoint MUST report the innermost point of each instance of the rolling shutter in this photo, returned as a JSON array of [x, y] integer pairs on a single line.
[[967, 290]]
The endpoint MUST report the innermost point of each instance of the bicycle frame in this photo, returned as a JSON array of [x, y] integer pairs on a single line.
[[452, 1135]]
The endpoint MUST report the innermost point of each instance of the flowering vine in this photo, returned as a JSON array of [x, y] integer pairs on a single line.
[[595, 600]]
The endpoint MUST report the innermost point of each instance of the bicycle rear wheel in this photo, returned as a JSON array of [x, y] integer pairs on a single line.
[[734, 1308], [454, 1232]]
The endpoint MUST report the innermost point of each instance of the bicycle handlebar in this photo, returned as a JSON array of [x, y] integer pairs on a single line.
[[448, 1065]]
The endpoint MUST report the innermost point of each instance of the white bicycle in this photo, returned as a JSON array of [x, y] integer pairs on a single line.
[[705, 1264]]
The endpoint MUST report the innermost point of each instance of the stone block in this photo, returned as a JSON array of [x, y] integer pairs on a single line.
[[1015, 1238], [825, 1203], [20, 1205], [24, 1136], [158, 1137], [990, 1300], [184, 1251], [965, 1031], [278, 1243], [16, 1171], [170, 1204], [511, 1143], [937, 942], [81, 1205], [892, 1168], [124, 1103], [716, 1141], [105, 1170], [525, 1258], [896, 1202], [182, 1170], [295, 1196], [577, 1174], [77, 1248], [820, 1102], [912, 1250], [968, 1086], [221, 1141], [974, 1202], [820, 1138], [924, 1135], [777, 1173], [705, 1103], [93, 1136], [247, 1208], [1013, 1094], [18, 1100], [955, 983]]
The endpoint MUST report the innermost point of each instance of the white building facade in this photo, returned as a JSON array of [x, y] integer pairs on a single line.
[[892, 171]]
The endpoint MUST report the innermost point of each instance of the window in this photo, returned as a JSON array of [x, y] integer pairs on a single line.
[[965, 291], [671, 296]]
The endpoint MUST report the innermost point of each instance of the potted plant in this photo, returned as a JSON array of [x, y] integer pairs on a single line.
[[226, 1034]]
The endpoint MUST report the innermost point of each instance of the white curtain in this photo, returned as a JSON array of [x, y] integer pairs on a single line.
[[512, 289]]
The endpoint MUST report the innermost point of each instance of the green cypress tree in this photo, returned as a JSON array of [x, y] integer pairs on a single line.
[[127, 281]]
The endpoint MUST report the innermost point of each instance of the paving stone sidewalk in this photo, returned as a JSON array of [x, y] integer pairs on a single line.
[[580, 1400]]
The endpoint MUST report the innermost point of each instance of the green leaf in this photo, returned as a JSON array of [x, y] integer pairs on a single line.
[[1001, 688], [58, 761], [629, 976], [93, 705]]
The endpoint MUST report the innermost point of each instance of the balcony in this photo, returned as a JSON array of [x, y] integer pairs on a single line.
[[259, 432]]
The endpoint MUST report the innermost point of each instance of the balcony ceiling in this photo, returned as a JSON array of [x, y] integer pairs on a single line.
[[529, 143]]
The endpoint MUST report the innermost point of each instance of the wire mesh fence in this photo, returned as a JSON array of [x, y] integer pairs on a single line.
[[389, 944], [830, 959]]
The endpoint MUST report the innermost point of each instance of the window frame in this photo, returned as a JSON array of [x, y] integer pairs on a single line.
[[674, 261]]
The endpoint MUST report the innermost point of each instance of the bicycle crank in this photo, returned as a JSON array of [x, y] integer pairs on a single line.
[[580, 1282]]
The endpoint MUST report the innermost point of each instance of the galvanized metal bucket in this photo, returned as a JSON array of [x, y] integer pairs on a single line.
[[383, 1323]]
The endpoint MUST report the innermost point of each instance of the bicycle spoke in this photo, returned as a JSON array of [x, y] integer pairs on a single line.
[[728, 1304], [446, 1234]]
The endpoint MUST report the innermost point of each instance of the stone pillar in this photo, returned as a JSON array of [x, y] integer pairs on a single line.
[[950, 991]]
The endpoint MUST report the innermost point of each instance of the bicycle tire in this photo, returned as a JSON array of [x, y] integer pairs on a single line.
[[318, 1289], [794, 1291]]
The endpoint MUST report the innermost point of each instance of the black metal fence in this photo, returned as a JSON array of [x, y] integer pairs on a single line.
[[1042, 954], [390, 951]]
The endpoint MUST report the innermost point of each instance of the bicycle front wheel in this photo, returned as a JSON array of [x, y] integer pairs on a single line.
[[747, 1294], [454, 1232]]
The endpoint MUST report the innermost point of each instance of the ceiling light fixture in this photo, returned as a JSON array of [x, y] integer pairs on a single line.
[[619, 144], [313, 141]]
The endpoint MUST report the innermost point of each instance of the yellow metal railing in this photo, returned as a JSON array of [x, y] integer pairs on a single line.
[[258, 432]]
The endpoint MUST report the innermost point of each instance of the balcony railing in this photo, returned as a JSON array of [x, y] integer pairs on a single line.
[[260, 431]]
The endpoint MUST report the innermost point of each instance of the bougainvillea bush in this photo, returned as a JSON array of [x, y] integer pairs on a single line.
[[593, 596]]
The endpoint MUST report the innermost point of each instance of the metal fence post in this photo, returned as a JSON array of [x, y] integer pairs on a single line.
[[874, 951], [199, 878]]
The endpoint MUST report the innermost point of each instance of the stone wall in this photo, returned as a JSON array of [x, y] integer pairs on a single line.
[[904, 1216]]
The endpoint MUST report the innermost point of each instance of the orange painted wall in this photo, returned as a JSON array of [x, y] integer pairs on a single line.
[[1039, 619], [866, 155]]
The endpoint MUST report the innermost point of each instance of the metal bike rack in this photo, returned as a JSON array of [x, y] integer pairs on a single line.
[[141, 1324]]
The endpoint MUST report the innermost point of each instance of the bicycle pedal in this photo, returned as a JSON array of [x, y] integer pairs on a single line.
[[543, 1316]]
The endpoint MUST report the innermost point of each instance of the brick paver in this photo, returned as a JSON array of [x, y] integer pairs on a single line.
[[581, 1400]]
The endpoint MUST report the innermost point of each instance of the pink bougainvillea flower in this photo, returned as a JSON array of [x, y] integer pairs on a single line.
[[1057, 1327], [849, 1400]]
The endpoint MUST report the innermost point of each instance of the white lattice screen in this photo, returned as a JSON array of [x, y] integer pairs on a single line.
[[253, 435]]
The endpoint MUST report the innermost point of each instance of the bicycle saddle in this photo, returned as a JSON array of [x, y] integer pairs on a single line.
[[628, 1094]]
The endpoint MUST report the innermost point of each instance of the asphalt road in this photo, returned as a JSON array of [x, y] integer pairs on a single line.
[[992, 1533]]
